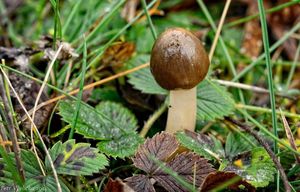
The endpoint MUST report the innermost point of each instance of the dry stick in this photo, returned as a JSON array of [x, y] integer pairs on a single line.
[[213, 47], [12, 132], [36, 129], [3, 135], [36, 103], [249, 130], [249, 87], [289, 134]]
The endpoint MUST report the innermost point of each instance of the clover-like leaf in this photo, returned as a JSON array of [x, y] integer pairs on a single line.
[[255, 166], [161, 146], [204, 145], [110, 122], [76, 159], [188, 166]]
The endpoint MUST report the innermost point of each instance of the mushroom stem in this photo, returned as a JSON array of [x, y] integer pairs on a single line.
[[182, 110]]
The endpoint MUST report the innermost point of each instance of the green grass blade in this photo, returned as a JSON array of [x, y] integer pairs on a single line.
[[272, 48], [154, 34], [269, 67], [70, 17], [78, 102], [103, 22], [293, 67], [251, 17], [99, 52], [222, 43]]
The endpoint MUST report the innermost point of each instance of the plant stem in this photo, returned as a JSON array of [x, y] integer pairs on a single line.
[[269, 67], [182, 110], [152, 119], [12, 132]]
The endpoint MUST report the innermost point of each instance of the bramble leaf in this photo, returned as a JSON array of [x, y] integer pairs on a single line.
[[211, 148], [110, 122], [43, 184], [140, 183], [156, 158], [143, 80], [255, 166], [76, 159], [213, 101], [161, 146], [188, 166]]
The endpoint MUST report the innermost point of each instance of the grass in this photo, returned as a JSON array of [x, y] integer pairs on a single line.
[[103, 29]]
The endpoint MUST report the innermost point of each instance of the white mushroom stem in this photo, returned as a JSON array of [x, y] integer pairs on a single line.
[[182, 110]]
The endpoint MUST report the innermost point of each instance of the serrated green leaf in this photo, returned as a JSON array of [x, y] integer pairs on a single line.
[[204, 145], [119, 123], [43, 184], [254, 166], [89, 122], [122, 147], [237, 143], [143, 80], [76, 159], [30, 165], [213, 101]]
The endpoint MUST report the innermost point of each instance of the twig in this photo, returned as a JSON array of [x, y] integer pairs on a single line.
[[289, 135], [249, 130], [11, 128], [213, 47], [249, 87]]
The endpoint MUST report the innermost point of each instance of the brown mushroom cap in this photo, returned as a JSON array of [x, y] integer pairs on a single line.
[[178, 60]]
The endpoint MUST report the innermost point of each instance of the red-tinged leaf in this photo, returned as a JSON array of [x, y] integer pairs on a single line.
[[161, 146], [140, 183], [117, 185], [188, 166], [216, 179]]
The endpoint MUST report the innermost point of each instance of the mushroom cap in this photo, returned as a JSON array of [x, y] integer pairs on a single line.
[[178, 60]]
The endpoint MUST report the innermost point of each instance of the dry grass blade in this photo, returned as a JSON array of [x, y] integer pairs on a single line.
[[36, 130], [213, 47], [100, 82], [289, 135]]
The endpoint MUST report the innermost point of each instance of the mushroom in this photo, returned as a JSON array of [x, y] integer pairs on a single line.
[[178, 63]]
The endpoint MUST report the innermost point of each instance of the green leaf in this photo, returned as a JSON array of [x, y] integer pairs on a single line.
[[124, 146], [255, 166], [213, 101], [122, 141], [238, 142], [142, 79], [204, 145], [43, 184], [30, 165], [76, 159], [110, 122]]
